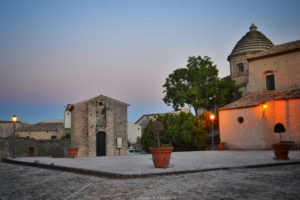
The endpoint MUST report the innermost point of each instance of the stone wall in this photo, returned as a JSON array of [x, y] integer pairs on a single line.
[[54, 148], [143, 121], [39, 131], [286, 70], [37, 135], [79, 131], [134, 131], [120, 126], [99, 114], [241, 78], [7, 129]]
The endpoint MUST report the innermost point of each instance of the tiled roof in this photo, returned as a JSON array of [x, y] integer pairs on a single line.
[[260, 98], [278, 49]]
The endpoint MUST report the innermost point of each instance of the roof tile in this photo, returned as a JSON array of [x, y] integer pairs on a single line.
[[260, 98], [278, 49]]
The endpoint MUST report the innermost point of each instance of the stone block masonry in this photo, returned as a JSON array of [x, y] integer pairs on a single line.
[[31, 147], [96, 124]]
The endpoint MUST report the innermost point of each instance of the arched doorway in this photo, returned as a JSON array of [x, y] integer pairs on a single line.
[[101, 144]]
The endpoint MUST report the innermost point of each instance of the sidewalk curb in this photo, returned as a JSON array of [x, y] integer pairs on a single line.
[[130, 176]]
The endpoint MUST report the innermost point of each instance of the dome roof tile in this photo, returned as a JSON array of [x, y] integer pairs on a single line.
[[252, 41]]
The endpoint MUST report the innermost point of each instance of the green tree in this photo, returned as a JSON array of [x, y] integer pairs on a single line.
[[183, 131], [148, 140], [66, 136], [198, 85], [227, 92]]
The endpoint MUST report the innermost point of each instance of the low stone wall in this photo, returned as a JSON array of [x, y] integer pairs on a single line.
[[31, 147]]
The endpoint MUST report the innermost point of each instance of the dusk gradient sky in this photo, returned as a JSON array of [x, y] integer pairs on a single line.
[[54, 53]]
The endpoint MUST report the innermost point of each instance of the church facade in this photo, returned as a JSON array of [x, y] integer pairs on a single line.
[[98, 126], [269, 76]]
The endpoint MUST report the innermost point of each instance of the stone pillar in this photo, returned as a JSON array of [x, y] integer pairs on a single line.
[[79, 129], [91, 128], [110, 133]]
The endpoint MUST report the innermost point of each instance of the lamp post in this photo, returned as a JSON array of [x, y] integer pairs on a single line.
[[212, 117], [14, 119]]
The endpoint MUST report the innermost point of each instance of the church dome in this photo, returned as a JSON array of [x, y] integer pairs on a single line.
[[252, 41]]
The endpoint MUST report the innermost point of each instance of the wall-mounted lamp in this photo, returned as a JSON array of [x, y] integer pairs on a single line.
[[265, 106]]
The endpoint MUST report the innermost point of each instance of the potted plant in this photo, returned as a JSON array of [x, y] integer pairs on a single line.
[[161, 154], [221, 146], [281, 150], [73, 152]]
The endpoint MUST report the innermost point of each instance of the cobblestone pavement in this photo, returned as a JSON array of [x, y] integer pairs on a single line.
[[22, 182]]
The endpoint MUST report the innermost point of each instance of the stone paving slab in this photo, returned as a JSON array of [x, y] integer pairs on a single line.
[[20, 182], [132, 166]]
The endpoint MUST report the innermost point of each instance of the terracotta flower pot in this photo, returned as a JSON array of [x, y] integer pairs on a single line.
[[72, 152], [281, 151], [221, 146], [161, 156]]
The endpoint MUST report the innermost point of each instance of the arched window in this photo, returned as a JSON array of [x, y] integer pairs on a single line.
[[270, 80], [240, 67]]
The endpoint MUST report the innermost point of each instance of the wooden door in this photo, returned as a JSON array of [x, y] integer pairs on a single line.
[[101, 144]]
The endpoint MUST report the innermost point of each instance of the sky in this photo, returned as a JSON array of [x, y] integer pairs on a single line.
[[54, 53]]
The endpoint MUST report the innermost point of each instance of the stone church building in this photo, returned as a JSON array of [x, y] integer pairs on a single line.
[[269, 76], [98, 126]]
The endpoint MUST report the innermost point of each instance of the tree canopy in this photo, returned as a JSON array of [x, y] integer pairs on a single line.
[[198, 85], [184, 132]]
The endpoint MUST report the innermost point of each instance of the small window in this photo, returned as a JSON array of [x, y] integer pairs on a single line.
[[270, 81], [240, 67], [240, 120]]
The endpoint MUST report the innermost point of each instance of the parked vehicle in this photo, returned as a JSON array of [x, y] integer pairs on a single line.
[[134, 152]]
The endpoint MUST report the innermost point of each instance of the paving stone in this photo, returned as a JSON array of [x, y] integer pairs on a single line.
[[27, 183], [142, 165]]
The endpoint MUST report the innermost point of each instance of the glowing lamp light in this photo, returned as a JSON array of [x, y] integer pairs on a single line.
[[212, 116], [265, 106], [14, 118]]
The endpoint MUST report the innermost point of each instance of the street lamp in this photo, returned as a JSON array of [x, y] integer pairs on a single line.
[[14, 119], [212, 117]]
